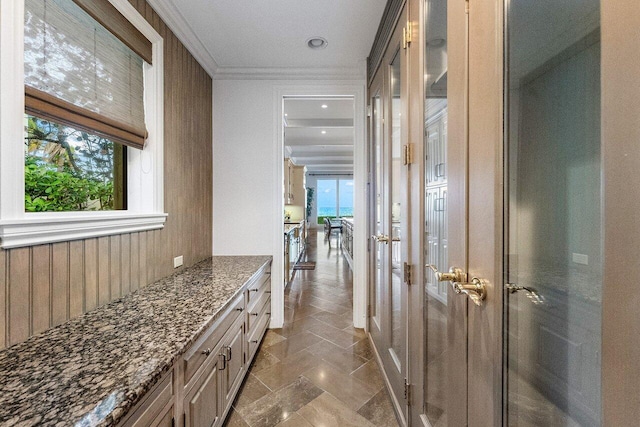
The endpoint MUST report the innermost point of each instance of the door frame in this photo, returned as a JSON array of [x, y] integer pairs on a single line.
[[358, 92]]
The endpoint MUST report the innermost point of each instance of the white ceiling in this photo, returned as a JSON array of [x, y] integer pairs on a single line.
[[305, 120], [273, 34]]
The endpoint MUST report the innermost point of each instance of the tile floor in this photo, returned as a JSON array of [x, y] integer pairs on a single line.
[[318, 370]]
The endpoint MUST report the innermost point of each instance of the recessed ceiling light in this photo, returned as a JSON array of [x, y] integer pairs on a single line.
[[325, 106], [285, 114], [323, 132], [317, 43]]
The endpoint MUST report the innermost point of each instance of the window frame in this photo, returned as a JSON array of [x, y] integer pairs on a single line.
[[337, 181], [145, 168]]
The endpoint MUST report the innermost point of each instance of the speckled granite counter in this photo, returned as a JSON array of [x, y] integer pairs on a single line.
[[91, 370]]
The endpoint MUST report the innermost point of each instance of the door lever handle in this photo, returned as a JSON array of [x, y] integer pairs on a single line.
[[381, 238], [531, 293], [476, 290], [455, 274]]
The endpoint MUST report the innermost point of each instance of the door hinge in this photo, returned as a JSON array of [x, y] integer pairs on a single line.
[[173, 422], [406, 35], [368, 311], [407, 392], [368, 110], [407, 273], [407, 154], [466, 6]]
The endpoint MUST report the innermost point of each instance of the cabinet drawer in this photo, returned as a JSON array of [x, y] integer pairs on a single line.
[[258, 287], [203, 348], [254, 314], [255, 337], [153, 409]]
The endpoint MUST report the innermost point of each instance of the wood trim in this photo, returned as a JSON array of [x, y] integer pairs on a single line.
[[621, 222], [49, 107], [390, 17], [110, 18]]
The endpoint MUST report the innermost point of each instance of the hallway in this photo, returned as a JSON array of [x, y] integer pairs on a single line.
[[317, 370]]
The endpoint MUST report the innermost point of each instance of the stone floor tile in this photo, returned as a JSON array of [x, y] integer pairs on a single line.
[[235, 420], [287, 370], [277, 407], [252, 390], [349, 390], [327, 411], [293, 344], [379, 411], [295, 420], [369, 373]]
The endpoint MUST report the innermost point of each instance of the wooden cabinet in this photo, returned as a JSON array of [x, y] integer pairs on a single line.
[[202, 402], [233, 352], [156, 408], [199, 390]]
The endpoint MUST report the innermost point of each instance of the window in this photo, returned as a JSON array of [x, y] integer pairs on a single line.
[[90, 117], [67, 169], [335, 198]]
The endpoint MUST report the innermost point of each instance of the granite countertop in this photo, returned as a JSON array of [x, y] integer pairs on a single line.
[[92, 369]]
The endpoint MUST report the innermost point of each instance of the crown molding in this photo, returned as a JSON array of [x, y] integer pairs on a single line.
[[171, 16], [287, 73]]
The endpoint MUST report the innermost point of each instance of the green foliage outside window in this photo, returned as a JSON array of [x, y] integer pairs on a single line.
[[69, 170]]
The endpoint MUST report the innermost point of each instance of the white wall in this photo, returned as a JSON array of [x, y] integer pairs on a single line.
[[246, 150]]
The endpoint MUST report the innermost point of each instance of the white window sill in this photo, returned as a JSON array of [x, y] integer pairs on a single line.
[[41, 228]]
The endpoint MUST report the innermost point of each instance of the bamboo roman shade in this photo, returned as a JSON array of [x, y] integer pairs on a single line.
[[79, 73]]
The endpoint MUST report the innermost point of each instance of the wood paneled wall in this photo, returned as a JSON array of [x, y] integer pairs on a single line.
[[43, 286]]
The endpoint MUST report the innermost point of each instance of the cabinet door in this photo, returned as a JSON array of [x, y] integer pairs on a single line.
[[203, 406], [234, 370]]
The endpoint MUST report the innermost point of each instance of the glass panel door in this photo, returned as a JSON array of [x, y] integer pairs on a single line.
[[436, 311], [377, 167], [554, 201], [397, 294], [388, 323]]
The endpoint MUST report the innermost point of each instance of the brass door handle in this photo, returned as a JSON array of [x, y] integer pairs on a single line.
[[381, 238], [531, 293], [476, 290], [455, 274]]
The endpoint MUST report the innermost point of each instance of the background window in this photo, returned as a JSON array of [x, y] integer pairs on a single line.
[[335, 198], [67, 169], [84, 101]]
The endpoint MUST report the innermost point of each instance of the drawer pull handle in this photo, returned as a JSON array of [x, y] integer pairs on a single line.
[[268, 313], [254, 341], [254, 290], [224, 362], [229, 353], [267, 292], [254, 314], [206, 352], [240, 309]]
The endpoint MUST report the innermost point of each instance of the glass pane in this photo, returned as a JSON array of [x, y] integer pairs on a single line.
[[435, 210], [327, 199], [554, 202], [378, 168], [71, 170], [345, 187], [395, 114]]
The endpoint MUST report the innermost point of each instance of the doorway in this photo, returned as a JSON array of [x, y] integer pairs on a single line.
[[316, 93]]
